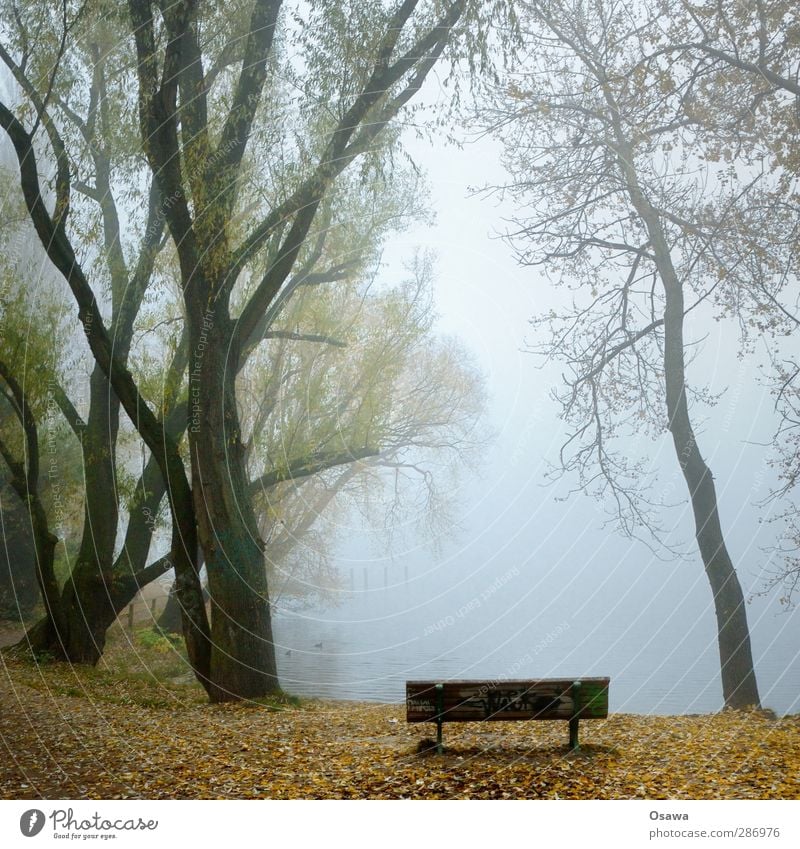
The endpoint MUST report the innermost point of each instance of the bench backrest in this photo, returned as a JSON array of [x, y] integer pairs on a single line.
[[474, 701]]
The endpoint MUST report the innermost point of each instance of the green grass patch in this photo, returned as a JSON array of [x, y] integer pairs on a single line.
[[277, 701], [147, 668]]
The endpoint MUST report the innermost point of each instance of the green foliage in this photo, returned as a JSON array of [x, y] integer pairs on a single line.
[[157, 640], [411, 398]]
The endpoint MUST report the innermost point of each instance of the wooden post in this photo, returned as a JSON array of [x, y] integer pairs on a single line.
[[573, 723], [130, 616], [153, 607], [439, 712]]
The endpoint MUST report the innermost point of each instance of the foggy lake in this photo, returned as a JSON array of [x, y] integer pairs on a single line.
[[661, 655], [533, 582]]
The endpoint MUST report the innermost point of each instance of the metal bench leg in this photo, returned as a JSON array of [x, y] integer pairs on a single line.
[[573, 723], [439, 712], [573, 733]]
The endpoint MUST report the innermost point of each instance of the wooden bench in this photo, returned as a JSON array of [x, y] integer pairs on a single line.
[[479, 701]]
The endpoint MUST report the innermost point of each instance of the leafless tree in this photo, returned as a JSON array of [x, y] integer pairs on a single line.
[[627, 204]]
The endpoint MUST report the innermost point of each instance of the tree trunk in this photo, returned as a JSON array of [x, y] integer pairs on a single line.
[[99, 447], [87, 599], [19, 590], [89, 607], [242, 654], [87, 615], [45, 543], [739, 686], [170, 618]]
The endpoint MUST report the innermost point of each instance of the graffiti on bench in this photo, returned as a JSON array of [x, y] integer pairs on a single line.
[[473, 701], [514, 700]]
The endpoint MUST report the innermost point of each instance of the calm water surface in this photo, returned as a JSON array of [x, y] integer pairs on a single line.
[[658, 647]]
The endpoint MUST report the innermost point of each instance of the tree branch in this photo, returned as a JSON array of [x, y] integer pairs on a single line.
[[307, 466], [304, 337], [238, 123], [71, 415]]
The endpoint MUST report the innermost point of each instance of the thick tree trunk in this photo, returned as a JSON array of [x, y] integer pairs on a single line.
[[99, 445], [81, 612], [93, 595], [89, 608], [87, 612], [83, 643], [242, 655]]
